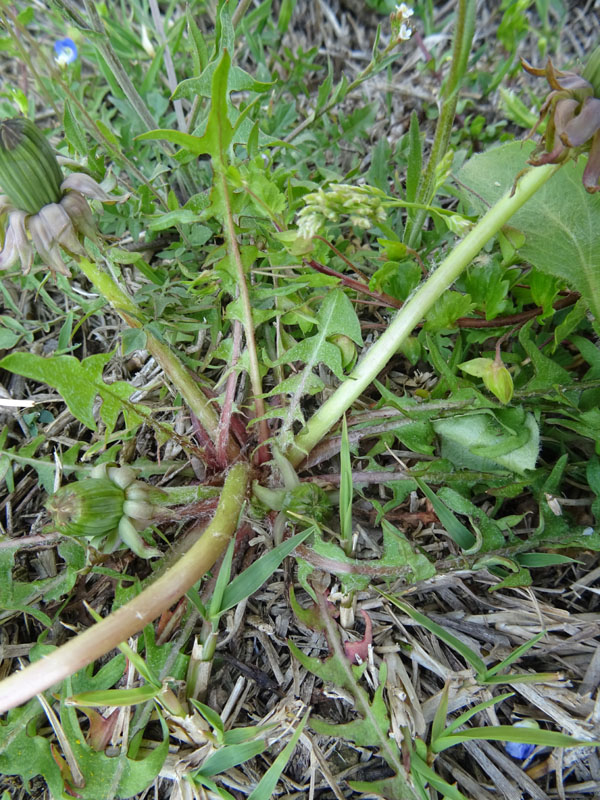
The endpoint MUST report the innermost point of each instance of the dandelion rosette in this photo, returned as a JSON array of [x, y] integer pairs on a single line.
[[46, 211], [573, 112], [109, 507]]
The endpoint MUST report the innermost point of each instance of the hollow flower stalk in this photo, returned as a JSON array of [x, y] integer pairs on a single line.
[[46, 212]]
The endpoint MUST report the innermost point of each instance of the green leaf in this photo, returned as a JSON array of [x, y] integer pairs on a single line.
[[265, 788], [544, 559], [547, 372], [483, 440], [219, 130], [128, 776], [78, 383], [335, 316], [449, 307], [346, 490], [560, 222], [252, 579], [238, 81], [456, 644], [508, 733], [459, 532], [114, 697], [230, 756], [73, 131], [28, 755]]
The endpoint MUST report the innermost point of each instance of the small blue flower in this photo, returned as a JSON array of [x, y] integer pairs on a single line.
[[65, 51], [521, 750]]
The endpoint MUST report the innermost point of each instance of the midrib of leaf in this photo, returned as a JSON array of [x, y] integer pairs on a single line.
[[318, 338]]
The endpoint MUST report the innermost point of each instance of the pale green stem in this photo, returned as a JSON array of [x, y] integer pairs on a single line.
[[131, 618], [463, 35], [127, 309], [232, 245], [185, 495], [238, 14], [117, 68], [414, 310], [338, 97]]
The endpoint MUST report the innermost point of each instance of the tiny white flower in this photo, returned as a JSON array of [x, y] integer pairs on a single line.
[[404, 33], [404, 11]]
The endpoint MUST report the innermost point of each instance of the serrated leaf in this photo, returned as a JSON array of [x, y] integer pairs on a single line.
[[360, 731], [238, 81], [78, 383], [128, 776], [336, 315], [547, 372], [560, 221], [219, 130]]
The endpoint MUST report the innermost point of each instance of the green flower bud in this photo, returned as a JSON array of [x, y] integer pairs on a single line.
[[89, 508], [494, 374], [347, 349], [308, 500], [110, 504], [29, 172]]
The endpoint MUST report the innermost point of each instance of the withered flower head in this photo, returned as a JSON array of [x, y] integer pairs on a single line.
[[573, 111], [46, 212]]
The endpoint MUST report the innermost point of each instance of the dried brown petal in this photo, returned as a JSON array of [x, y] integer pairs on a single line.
[[591, 173], [80, 214], [45, 228], [16, 243], [79, 182], [581, 129]]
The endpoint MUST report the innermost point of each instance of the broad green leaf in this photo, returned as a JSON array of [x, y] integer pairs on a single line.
[[486, 440], [560, 222], [336, 315], [26, 755], [101, 772], [448, 308], [364, 732], [78, 383], [547, 372]]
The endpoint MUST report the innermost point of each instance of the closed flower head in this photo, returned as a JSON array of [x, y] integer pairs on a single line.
[[45, 211]]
